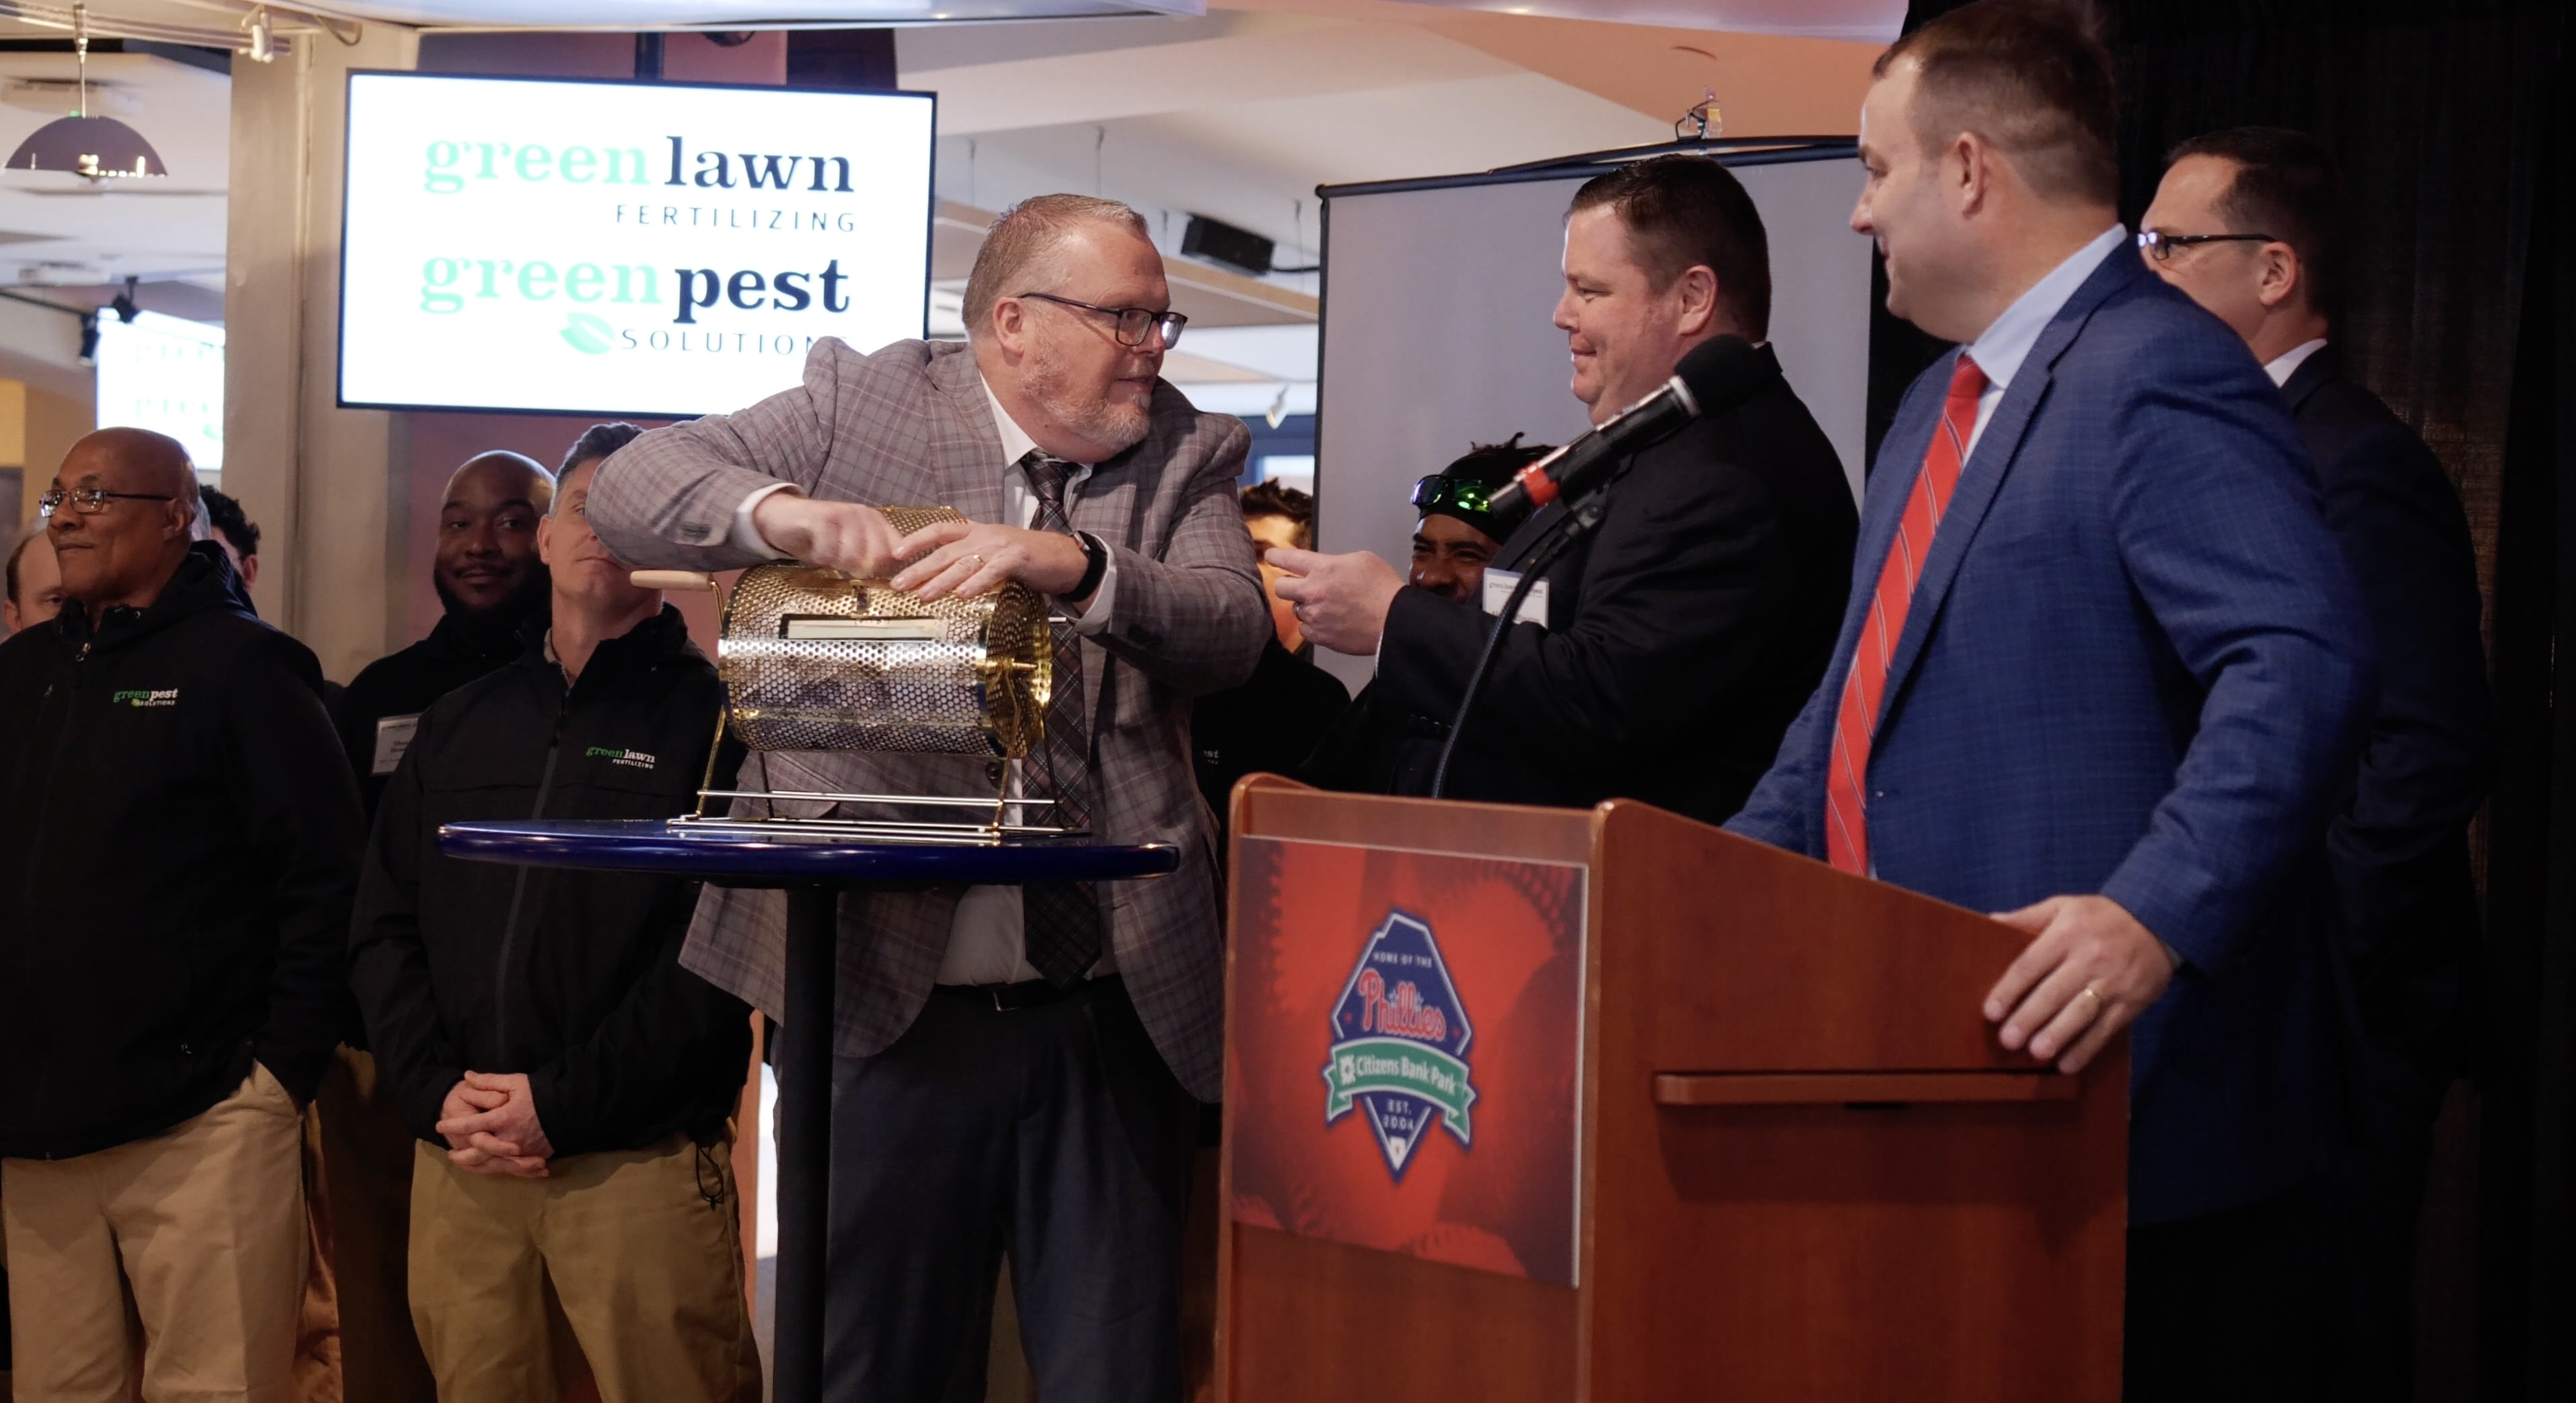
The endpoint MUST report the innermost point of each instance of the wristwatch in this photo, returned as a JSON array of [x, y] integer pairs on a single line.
[[1096, 558]]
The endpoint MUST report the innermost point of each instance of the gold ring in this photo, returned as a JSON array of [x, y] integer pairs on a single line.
[[979, 560], [2088, 993]]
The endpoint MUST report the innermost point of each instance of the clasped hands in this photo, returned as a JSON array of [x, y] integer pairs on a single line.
[[490, 1121], [2089, 971], [963, 558]]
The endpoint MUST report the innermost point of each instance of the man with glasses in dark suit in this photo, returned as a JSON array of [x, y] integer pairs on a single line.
[[2249, 222]]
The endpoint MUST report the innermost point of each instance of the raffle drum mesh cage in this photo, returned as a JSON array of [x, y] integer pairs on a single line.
[[814, 659]]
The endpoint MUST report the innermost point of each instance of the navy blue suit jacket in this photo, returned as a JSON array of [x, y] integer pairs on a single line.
[[2136, 665], [2398, 843]]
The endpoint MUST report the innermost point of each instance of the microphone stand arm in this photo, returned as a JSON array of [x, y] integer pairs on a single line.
[[1580, 520]]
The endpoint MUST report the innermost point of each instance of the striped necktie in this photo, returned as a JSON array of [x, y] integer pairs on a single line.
[[1856, 719], [1061, 930]]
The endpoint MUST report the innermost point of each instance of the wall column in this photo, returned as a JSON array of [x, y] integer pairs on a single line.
[[324, 483]]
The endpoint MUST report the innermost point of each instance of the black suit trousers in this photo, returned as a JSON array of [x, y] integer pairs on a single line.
[[1053, 1137], [2238, 1306]]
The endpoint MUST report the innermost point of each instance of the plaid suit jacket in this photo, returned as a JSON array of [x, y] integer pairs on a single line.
[[910, 426], [2136, 665]]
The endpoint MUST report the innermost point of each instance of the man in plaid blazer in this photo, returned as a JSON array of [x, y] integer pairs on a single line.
[[1015, 1071]]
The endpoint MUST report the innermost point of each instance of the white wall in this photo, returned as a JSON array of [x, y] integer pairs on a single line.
[[1437, 334]]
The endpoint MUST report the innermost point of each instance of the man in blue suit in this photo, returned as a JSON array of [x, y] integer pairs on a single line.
[[2103, 672]]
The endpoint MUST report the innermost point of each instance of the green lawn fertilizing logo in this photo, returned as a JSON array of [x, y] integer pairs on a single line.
[[636, 758], [146, 696]]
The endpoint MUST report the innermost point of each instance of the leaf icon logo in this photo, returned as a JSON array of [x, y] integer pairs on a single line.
[[588, 334]]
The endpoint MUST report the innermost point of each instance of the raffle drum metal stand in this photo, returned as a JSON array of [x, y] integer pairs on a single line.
[[813, 871]]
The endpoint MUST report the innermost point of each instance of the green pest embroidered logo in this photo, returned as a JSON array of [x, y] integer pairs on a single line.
[[635, 758], [145, 697], [1398, 1044]]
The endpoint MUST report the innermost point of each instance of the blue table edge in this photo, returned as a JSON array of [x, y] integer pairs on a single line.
[[729, 859]]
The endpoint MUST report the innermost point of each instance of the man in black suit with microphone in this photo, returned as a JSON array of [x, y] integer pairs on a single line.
[[1662, 655], [2249, 223]]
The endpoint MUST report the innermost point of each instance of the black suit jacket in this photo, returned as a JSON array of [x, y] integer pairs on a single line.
[[2398, 843], [1682, 637]]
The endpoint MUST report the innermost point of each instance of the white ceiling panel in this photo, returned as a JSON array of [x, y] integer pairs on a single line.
[[718, 14], [1218, 73], [1875, 21]]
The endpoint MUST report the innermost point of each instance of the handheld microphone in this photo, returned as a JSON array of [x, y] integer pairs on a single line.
[[1716, 374]]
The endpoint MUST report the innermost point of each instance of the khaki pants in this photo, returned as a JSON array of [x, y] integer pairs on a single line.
[[647, 1268], [175, 1263]]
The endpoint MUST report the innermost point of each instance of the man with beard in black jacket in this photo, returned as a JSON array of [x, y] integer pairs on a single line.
[[178, 842], [571, 1085], [490, 582]]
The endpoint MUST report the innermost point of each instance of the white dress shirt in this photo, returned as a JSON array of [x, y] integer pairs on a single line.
[[987, 939], [2286, 364], [2000, 349]]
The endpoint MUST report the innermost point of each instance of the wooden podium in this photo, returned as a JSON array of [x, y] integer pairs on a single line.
[[1531, 1104]]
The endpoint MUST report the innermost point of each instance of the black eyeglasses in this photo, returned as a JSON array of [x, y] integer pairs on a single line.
[[90, 501], [2161, 245], [1439, 493], [1134, 323]]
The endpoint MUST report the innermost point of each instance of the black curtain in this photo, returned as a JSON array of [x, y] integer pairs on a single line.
[[2452, 121]]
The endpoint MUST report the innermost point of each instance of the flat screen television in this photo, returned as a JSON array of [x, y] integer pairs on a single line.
[[645, 249]]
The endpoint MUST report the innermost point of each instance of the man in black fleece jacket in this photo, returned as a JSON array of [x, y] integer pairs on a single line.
[[571, 1084], [178, 841]]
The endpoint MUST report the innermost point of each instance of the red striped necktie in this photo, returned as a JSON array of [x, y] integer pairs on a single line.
[[1856, 720]]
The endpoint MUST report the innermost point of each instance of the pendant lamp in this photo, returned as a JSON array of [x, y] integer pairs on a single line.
[[97, 147]]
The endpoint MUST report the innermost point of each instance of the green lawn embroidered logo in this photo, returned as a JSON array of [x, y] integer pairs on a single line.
[[152, 696], [615, 756], [1399, 1043]]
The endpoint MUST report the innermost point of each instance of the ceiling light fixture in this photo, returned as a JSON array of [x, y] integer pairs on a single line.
[[97, 147]]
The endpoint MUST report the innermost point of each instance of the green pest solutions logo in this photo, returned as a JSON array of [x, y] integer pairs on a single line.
[[145, 697], [592, 336], [612, 754], [1399, 1044]]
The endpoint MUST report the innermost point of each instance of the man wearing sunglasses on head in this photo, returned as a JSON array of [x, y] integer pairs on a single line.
[[1376, 746], [1664, 655]]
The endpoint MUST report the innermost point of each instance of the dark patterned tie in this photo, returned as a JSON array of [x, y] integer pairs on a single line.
[[1062, 927]]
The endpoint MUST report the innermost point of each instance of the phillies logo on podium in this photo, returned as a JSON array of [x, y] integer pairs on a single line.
[[1399, 1043]]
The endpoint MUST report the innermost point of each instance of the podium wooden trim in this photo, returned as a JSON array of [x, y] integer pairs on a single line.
[[1805, 1168]]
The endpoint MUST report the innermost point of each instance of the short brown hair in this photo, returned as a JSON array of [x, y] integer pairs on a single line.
[[1685, 212], [1026, 235], [2032, 79], [2286, 185], [1273, 498]]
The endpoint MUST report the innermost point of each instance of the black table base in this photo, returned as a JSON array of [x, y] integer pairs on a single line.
[[805, 1141]]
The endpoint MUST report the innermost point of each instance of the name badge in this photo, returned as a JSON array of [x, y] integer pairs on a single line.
[[393, 737], [1499, 585]]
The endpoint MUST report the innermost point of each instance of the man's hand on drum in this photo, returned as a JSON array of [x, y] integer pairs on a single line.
[[845, 536], [969, 558]]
